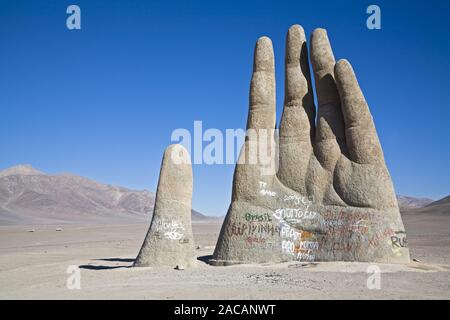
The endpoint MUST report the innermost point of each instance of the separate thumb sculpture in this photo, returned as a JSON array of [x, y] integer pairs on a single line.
[[332, 198], [169, 241]]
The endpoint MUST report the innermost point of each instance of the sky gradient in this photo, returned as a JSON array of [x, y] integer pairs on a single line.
[[102, 101]]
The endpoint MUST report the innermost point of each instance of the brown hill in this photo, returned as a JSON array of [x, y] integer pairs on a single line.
[[407, 202], [31, 196], [441, 206]]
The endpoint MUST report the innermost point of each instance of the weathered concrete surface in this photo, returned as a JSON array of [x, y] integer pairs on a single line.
[[169, 241], [332, 198]]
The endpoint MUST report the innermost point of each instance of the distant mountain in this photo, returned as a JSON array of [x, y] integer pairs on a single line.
[[28, 195], [23, 170], [196, 216], [441, 206], [406, 202]]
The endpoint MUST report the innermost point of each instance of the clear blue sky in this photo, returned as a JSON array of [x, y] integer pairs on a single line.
[[102, 101]]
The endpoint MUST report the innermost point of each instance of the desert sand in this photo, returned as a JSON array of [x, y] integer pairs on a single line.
[[33, 265]]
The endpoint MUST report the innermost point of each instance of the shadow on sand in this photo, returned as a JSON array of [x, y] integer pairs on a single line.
[[205, 259], [129, 264], [92, 267], [116, 259]]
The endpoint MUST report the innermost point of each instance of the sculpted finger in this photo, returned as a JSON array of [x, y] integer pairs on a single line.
[[299, 110], [169, 240], [362, 139], [330, 135], [297, 122], [262, 88], [322, 59], [257, 157]]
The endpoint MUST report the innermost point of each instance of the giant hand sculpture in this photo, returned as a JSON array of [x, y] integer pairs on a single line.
[[332, 198]]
